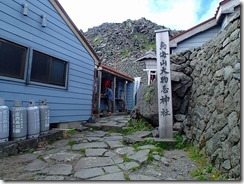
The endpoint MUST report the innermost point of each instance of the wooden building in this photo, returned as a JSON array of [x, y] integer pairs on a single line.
[[205, 31], [150, 66], [44, 56], [121, 85]]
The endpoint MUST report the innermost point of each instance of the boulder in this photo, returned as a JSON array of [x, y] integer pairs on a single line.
[[180, 83], [147, 106]]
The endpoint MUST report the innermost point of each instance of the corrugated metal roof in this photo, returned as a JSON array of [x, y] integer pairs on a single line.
[[115, 72], [148, 55]]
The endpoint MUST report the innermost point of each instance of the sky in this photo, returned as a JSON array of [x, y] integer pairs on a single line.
[[173, 14]]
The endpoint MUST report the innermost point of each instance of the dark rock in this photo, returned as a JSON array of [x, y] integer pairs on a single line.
[[180, 83], [146, 108]]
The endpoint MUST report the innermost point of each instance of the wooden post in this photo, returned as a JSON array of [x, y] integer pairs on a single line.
[[114, 88], [99, 90], [164, 84], [124, 101]]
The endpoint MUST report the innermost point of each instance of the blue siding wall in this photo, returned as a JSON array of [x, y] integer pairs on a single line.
[[129, 96], [57, 40], [197, 40]]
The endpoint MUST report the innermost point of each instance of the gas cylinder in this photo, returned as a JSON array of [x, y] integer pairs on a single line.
[[4, 121], [33, 120], [44, 116], [18, 123]]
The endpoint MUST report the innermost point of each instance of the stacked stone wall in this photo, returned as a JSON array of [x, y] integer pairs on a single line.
[[213, 118], [206, 96]]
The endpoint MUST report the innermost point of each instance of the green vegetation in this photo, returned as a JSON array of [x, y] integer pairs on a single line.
[[135, 168], [160, 146], [149, 46], [148, 94], [205, 171], [150, 157], [71, 132], [125, 52], [139, 125], [180, 144], [139, 37], [72, 142], [41, 157], [126, 176], [125, 158], [82, 150], [97, 39], [133, 127]]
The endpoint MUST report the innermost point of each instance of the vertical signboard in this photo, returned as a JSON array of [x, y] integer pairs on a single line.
[[136, 87], [164, 84]]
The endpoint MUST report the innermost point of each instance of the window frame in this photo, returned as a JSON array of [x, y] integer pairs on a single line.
[[26, 62], [29, 81]]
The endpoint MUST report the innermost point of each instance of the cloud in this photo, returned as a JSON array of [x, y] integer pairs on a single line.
[[180, 14]]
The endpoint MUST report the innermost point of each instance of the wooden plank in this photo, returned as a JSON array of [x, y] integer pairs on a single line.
[[114, 88], [99, 91]]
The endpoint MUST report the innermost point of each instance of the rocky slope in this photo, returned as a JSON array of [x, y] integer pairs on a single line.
[[129, 40]]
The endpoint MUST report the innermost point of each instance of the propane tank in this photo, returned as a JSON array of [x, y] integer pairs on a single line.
[[44, 116], [18, 124], [4, 121], [33, 127]]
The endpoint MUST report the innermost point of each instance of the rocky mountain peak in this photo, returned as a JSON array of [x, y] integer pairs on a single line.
[[129, 40]]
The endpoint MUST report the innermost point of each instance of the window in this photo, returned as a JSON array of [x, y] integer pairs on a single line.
[[12, 59], [47, 69]]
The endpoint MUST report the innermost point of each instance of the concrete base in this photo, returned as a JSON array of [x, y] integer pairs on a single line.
[[69, 125], [16, 147]]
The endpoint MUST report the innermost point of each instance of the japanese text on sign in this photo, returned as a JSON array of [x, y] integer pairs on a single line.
[[164, 79]]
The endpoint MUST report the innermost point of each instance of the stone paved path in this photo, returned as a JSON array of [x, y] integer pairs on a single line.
[[97, 155]]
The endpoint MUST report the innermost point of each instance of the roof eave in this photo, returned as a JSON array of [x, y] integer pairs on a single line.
[[115, 72], [192, 31]]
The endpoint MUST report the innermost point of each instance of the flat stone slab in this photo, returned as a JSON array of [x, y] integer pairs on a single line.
[[142, 177], [118, 118], [95, 152], [117, 159], [66, 157], [97, 134], [112, 169], [89, 173], [140, 156], [165, 140], [125, 150], [131, 139], [53, 178], [113, 176], [36, 165], [128, 165], [90, 162], [142, 134], [89, 145], [60, 169], [94, 139], [114, 138], [147, 147], [115, 134], [114, 144], [122, 121], [28, 157], [112, 125], [109, 154]]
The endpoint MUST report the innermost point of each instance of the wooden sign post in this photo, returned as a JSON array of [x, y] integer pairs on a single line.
[[164, 84]]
